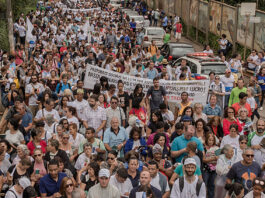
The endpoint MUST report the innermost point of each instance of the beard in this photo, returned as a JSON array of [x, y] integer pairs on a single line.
[[189, 173], [91, 105], [259, 130]]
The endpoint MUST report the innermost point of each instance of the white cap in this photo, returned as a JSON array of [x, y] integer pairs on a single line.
[[190, 161], [104, 173], [24, 182]]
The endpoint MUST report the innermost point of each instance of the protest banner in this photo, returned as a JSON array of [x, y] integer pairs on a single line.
[[197, 89]]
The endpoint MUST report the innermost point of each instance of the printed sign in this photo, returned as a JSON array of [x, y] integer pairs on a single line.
[[197, 89]]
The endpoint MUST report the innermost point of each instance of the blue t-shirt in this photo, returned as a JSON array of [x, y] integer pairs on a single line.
[[26, 119], [49, 186], [181, 143], [133, 25], [260, 78]]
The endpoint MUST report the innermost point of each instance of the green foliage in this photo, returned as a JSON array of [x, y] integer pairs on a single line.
[[3, 35], [22, 6]]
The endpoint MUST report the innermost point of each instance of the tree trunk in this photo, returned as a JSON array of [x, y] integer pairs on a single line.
[[10, 26]]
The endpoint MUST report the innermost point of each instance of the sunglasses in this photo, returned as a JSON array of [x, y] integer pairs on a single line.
[[114, 102], [230, 112], [65, 123], [249, 156], [66, 138], [37, 155], [112, 158], [243, 142], [259, 182], [68, 185]]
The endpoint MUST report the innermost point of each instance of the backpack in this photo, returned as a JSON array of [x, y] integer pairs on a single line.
[[60, 87], [198, 185], [5, 101], [229, 45]]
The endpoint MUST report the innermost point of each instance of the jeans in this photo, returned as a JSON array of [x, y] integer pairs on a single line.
[[208, 178], [226, 100]]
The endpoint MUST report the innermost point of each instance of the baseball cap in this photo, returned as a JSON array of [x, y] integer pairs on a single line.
[[157, 149], [186, 118], [24, 182], [190, 161], [104, 173]]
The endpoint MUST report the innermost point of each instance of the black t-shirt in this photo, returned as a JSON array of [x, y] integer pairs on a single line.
[[124, 99], [89, 183], [13, 172], [156, 96], [244, 174]]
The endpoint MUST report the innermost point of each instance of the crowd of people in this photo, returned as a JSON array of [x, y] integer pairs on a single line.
[[59, 139]]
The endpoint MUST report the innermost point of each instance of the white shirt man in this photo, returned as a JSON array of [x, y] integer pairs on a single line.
[[121, 181], [190, 183], [80, 104]]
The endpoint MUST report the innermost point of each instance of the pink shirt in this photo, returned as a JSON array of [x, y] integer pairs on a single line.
[[150, 140]]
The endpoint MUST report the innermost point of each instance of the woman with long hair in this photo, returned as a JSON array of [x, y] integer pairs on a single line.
[[229, 118], [53, 81], [233, 137], [135, 141], [215, 125], [67, 187], [91, 170], [13, 135], [104, 84], [62, 107], [156, 117], [138, 92], [139, 110]]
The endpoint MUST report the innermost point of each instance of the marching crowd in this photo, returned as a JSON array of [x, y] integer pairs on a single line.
[[59, 139]]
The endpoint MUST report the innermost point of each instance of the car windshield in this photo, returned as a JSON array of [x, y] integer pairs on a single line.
[[182, 50], [216, 68], [157, 32]]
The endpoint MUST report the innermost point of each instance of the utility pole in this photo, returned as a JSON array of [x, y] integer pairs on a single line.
[[10, 25]]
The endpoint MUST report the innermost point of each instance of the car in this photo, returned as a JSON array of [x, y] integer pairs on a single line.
[[153, 33], [173, 50], [140, 21], [201, 64]]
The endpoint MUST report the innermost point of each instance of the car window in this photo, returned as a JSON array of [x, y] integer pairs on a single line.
[[177, 63], [193, 68], [157, 32], [182, 50], [216, 68]]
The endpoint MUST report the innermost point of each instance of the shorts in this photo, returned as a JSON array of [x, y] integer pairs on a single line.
[[178, 35]]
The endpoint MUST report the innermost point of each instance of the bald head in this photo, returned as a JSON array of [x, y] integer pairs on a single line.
[[145, 178], [115, 123]]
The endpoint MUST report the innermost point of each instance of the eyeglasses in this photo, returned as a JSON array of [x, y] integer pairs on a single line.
[[249, 156], [37, 155], [68, 185], [66, 138], [65, 123], [112, 158], [217, 78], [243, 142]]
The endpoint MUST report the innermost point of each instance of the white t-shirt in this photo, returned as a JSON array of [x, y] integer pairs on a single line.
[[169, 116], [72, 120], [254, 58], [30, 88], [155, 182], [75, 143], [14, 138], [228, 83], [13, 194], [125, 187], [21, 31], [80, 107], [43, 113], [232, 141], [208, 51], [252, 103], [189, 190], [223, 42], [81, 161]]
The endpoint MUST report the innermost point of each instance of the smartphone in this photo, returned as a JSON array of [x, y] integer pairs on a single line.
[[37, 172]]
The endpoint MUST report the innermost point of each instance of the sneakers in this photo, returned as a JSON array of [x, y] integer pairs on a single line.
[[261, 108]]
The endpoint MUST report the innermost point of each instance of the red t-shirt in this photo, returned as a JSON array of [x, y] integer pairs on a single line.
[[236, 106], [140, 113], [178, 27], [31, 146]]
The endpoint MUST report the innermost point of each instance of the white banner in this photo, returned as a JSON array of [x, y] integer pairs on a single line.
[[81, 10], [29, 30], [197, 89]]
